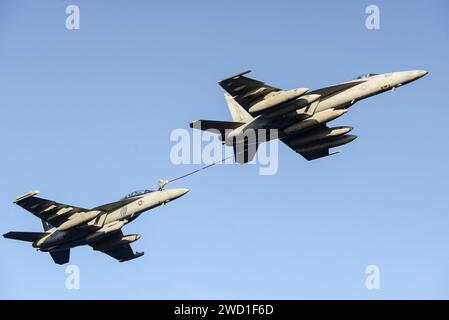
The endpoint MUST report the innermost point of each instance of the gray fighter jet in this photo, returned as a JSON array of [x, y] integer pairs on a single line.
[[67, 226], [299, 116]]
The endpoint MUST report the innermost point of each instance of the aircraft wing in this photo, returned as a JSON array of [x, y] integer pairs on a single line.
[[317, 154], [311, 155], [120, 253], [109, 207], [123, 254], [48, 210], [246, 91], [327, 91]]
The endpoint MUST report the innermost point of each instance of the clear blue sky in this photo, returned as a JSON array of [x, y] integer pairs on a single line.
[[86, 117]]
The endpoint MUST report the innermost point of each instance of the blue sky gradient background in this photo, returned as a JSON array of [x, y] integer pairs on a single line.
[[86, 118]]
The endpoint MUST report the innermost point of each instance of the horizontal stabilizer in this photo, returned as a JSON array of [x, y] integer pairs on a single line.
[[244, 152], [238, 113], [25, 236]]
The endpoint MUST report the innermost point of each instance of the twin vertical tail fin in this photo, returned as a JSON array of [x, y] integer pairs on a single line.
[[239, 116], [59, 257], [243, 152], [238, 113], [46, 225]]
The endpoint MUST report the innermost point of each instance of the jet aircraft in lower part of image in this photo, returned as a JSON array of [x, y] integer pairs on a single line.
[[67, 226]]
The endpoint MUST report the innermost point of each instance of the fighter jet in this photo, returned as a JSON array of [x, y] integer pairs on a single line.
[[298, 116], [67, 226]]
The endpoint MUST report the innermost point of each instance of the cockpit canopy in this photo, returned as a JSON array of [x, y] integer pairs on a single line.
[[137, 193], [367, 75]]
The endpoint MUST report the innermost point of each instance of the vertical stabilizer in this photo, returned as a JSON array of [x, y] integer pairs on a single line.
[[61, 256], [237, 112], [46, 225]]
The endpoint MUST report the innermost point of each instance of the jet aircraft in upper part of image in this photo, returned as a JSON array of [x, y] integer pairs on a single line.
[[300, 116], [67, 226]]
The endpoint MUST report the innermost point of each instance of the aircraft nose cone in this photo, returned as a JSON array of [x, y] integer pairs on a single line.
[[176, 193], [182, 191], [420, 73], [404, 77]]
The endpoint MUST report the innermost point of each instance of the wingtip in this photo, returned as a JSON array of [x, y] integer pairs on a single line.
[[334, 152], [26, 195], [136, 255], [236, 75]]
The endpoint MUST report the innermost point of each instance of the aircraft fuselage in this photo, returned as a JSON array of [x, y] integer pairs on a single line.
[[106, 223], [288, 117]]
